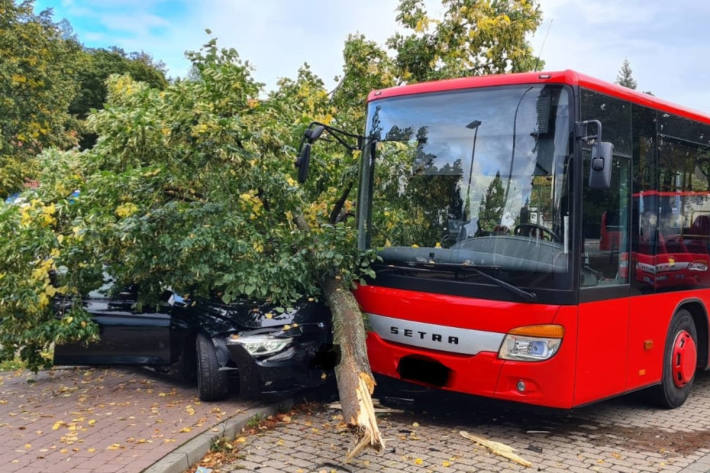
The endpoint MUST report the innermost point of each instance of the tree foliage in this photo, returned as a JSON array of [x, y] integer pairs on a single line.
[[48, 85], [37, 84], [96, 65], [474, 37]]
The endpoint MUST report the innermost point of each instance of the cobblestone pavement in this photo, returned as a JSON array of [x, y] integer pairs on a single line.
[[623, 435], [83, 420]]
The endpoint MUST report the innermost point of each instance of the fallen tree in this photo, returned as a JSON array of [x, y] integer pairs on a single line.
[[192, 188]]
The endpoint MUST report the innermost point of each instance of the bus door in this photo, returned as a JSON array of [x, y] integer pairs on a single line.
[[603, 315]]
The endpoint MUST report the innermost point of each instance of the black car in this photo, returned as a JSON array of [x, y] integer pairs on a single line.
[[209, 341]]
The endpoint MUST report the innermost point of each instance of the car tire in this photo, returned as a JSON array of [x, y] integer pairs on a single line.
[[680, 359], [212, 384]]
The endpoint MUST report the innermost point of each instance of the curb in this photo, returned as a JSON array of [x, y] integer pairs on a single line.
[[192, 451]]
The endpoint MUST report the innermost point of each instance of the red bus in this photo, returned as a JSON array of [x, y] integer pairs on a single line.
[[543, 238]]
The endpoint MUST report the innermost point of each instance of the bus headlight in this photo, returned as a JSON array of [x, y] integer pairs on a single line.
[[531, 343], [260, 345], [698, 266]]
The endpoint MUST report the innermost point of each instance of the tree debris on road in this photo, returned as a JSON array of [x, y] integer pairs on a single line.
[[498, 448]]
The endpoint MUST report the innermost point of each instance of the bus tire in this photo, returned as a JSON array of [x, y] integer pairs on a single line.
[[212, 384], [680, 360]]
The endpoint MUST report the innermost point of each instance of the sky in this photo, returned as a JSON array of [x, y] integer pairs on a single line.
[[663, 41]]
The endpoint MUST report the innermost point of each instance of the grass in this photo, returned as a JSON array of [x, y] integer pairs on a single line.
[[254, 422]]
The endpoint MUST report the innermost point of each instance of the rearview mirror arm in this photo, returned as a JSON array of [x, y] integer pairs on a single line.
[[581, 131], [338, 134]]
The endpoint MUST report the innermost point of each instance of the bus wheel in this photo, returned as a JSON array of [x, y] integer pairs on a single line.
[[680, 361]]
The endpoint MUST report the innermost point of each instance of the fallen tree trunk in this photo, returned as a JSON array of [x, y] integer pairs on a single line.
[[352, 373], [355, 381]]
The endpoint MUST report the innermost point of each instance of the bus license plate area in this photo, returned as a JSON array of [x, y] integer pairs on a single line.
[[423, 370]]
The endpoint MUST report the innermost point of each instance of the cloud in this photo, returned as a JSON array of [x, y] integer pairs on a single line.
[[663, 41], [660, 40]]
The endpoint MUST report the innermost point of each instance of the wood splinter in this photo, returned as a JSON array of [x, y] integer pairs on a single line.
[[498, 448]]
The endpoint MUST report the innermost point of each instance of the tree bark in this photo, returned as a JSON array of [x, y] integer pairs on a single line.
[[353, 375]]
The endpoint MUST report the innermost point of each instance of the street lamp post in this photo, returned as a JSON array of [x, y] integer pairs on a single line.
[[512, 154], [472, 126]]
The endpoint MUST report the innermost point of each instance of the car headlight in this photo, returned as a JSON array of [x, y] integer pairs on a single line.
[[532, 343], [260, 345]]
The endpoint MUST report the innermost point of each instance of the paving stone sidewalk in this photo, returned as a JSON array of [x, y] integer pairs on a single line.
[[623, 435], [85, 420]]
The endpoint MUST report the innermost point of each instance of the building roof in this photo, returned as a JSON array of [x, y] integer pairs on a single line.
[[568, 77]]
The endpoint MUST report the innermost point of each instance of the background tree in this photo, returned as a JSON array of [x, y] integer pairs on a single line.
[[473, 38], [491, 209], [624, 77], [37, 84], [95, 67], [99, 64]]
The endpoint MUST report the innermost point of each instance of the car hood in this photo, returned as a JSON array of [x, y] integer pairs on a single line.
[[245, 315]]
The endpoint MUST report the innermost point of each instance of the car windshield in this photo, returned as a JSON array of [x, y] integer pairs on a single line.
[[475, 177]]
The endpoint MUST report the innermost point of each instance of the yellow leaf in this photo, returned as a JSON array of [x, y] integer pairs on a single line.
[[418, 461], [58, 424], [92, 421], [445, 463], [28, 446], [91, 450], [114, 446], [185, 429]]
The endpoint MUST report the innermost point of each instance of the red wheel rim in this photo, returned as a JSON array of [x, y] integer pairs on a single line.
[[684, 360]]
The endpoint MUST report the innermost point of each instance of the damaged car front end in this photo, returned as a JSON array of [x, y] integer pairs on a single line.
[[274, 351], [270, 349]]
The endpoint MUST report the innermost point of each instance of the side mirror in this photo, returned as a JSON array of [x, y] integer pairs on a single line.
[[600, 165], [311, 134], [303, 161]]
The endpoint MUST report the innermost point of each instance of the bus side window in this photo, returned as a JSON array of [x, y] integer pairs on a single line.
[[605, 229], [682, 257], [605, 213], [645, 199]]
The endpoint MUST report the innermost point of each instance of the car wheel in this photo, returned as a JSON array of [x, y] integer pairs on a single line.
[[212, 384], [680, 360]]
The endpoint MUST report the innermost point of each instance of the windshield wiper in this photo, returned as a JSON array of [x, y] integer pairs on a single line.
[[429, 267], [522, 293]]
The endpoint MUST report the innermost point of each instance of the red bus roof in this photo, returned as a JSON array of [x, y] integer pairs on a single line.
[[557, 77]]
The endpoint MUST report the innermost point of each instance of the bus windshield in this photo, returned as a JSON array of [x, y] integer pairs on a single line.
[[470, 178]]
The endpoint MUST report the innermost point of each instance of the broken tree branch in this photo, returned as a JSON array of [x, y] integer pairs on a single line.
[[498, 448], [339, 204]]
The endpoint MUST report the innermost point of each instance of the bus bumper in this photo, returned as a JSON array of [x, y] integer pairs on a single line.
[[547, 383]]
